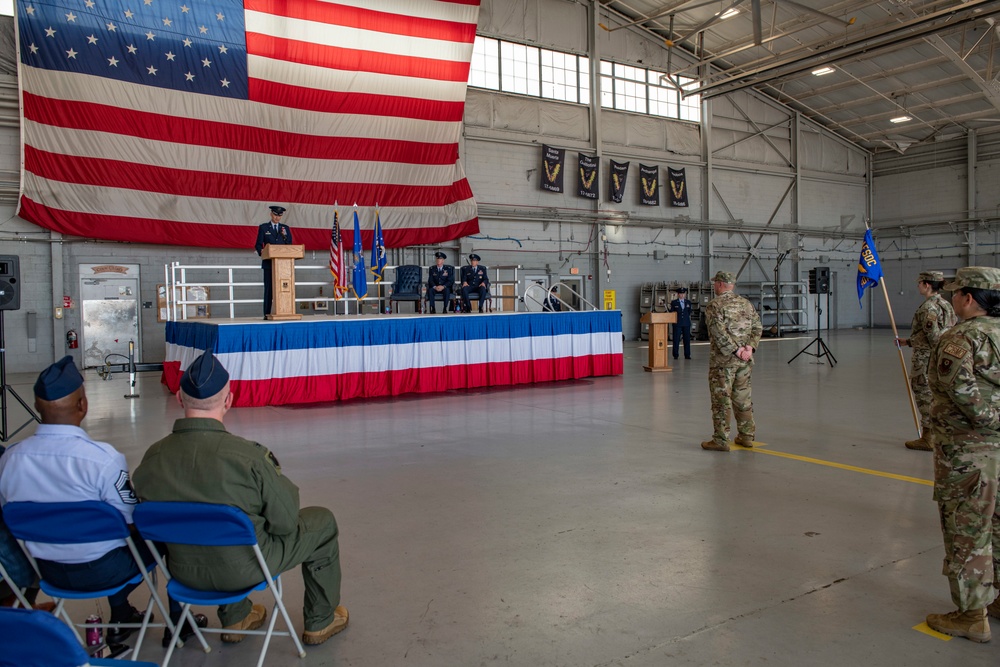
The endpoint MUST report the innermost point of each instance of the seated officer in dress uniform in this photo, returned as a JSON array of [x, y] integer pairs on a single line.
[[682, 327], [60, 463], [271, 233], [474, 279], [552, 303], [202, 462], [440, 280]]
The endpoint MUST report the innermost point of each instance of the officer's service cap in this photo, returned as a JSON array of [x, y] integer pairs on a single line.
[[976, 277], [682, 290], [440, 255], [205, 377], [58, 380], [930, 276], [474, 257], [724, 277], [277, 210]]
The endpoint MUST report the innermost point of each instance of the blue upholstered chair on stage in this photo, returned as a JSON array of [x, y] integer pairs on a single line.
[[39, 639], [206, 524], [409, 281], [81, 523]]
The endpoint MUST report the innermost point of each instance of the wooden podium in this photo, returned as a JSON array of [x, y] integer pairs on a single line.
[[283, 279], [658, 340]]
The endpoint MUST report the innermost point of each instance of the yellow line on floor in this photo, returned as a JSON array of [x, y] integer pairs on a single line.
[[926, 629], [842, 466]]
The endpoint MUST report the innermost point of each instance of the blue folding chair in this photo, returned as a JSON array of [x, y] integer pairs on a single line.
[[39, 639], [81, 523], [207, 524]]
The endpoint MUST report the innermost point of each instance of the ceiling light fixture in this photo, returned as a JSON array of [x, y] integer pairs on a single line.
[[729, 13], [822, 70], [900, 119]]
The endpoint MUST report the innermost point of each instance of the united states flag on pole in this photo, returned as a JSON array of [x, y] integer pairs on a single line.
[[179, 122], [337, 257]]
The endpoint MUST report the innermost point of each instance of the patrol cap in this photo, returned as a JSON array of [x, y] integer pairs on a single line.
[[930, 276], [682, 290], [440, 255], [205, 377], [277, 210], [724, 277], [474, 257], [976, 277], [58, 380]]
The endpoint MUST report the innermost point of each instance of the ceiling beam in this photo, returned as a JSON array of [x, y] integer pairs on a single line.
[[909, 109], [900, 132], [861, 101], [991, 94]]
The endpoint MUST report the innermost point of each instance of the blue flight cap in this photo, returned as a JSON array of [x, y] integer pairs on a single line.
[[277, 210], [474, 257], [440, 255], [58, 380], [205, 377]]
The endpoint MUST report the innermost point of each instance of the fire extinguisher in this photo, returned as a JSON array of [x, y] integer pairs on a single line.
[[71, 339]]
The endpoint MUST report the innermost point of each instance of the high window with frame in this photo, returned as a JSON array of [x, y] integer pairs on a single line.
[[557, 75]]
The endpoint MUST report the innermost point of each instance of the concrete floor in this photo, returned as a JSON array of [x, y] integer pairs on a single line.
[[579, 523]]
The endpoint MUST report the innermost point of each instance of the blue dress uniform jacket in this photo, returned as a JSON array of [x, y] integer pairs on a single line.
[[266, 235], [682, 328], [474, 279], [443, 276]]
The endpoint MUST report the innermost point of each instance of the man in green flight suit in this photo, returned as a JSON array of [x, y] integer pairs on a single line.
[[202, 462]]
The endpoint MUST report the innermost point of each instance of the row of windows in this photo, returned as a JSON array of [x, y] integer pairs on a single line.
[[554, 75]]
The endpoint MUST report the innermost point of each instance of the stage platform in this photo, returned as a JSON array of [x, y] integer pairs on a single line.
[[320, 359]]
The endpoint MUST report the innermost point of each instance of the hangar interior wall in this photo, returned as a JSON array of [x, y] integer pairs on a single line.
[[762, 183]]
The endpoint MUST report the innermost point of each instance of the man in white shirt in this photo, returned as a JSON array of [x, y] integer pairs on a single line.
[[60, 463]]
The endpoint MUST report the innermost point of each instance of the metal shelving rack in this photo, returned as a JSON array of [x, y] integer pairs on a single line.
[[785, 315]]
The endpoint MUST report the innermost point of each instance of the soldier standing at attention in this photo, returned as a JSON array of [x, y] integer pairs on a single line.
[[201, 462], [734, 330], [934, 316], [964, 376]]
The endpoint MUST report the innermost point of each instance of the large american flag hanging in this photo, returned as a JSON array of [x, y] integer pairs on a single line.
[[179, 121]]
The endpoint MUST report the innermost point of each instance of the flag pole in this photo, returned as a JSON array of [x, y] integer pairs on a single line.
[[902, 359]]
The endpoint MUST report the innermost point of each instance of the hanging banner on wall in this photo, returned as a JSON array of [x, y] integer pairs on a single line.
[[552, 168], [619, 174], [649, 178], [589, 167], [678, 187]]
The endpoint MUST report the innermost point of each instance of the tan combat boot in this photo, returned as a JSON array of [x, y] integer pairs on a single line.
[[971, 624], [714, 446], [919, 444], [744, 440]]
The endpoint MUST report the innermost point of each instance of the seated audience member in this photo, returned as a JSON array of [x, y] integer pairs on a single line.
[[202, 462], [474, 280], [60, 463], [18, 569], [440, 280]]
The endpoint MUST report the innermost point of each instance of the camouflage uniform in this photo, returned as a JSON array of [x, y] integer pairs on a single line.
[[964, 378], [732, 323], [934, 316]]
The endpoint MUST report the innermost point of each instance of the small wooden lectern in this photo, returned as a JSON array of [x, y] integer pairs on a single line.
[[658, 340], [283, 279]]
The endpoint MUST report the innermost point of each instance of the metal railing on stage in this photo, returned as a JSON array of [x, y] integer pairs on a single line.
[[192, 290], [535, 295]]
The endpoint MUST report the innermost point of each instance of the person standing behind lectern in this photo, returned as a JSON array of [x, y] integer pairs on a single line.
[[271, 233], [682, 327]]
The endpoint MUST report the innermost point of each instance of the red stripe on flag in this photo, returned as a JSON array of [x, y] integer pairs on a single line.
[[165, 180], [355, 60], [364, 104], [368, 19], [346, 386], [204, 234], [215, 134]]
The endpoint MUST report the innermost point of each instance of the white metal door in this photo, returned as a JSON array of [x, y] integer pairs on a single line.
[[109, 298]]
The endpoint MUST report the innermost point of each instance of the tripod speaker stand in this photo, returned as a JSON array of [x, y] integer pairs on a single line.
[[821, 348], [6, 389]]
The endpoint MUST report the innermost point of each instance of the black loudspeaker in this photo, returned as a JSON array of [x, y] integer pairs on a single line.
[[10, 282], [819, 280]]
